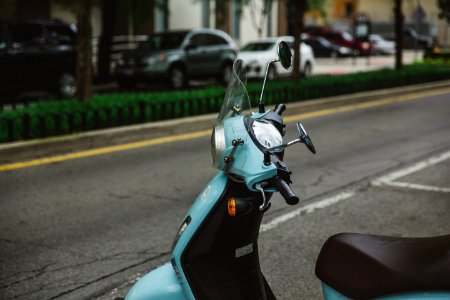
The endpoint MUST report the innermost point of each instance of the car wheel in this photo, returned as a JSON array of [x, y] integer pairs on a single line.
[[67, 86], [307, 71], [355, 52], [271, 73], [177, 77], [225, 73]]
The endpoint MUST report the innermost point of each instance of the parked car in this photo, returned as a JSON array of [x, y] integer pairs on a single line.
[[412, 40], [37, 55], [257, 54], [177, 57], [323, 48], [381, 45], [341, 38]]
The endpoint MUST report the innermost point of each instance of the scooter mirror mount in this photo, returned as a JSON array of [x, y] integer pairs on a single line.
[[285, 57], [303, 138]]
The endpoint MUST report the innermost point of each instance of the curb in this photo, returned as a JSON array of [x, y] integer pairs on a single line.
[[26, 150]]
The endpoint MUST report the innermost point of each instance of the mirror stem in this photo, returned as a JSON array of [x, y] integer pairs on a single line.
[[261, 103]]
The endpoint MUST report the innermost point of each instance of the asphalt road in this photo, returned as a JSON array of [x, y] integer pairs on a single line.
[[89, 227]]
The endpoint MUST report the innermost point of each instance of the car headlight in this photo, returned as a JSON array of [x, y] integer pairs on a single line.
[[344, 50]]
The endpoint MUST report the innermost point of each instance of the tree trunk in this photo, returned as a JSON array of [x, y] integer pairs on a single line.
[[398, 34], [84, 50], [299, 7], [105, 41]]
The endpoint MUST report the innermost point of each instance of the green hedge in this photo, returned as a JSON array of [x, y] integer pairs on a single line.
[[55, 117]]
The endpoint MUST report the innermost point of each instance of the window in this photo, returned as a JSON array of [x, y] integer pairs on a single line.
[[61, 34], [349, 9], [163, 41], [27, 33], [200, 39], [216, 40], [263, 46]]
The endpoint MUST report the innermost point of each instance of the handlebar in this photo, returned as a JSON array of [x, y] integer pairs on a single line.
[[285, 191]]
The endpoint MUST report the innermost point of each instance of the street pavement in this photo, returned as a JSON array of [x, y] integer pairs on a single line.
[[88, 228]]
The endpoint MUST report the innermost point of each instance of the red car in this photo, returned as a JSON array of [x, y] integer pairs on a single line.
[[342, 38]]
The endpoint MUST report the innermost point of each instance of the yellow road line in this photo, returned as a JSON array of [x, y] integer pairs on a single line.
[[104, 150], [203, 133]]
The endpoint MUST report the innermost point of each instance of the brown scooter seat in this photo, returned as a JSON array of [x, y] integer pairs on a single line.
[[364, 266]]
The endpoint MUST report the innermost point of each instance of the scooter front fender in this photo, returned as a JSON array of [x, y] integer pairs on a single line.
[[160, 284]]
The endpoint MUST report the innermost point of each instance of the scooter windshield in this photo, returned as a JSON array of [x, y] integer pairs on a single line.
[[236, 103]]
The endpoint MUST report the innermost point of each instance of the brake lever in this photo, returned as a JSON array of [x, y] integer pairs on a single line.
[[266, 204]]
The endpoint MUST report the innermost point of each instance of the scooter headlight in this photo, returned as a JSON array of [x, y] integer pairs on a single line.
[[267, 134]]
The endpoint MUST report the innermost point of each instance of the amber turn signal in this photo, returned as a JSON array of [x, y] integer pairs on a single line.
[[232, 207]]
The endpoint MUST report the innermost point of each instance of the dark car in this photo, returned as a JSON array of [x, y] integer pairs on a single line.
[[341, 38], [37, 55], [322, 48], [413, 40], [177, 56]]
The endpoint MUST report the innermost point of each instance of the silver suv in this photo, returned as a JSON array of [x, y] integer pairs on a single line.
[[177, 56]]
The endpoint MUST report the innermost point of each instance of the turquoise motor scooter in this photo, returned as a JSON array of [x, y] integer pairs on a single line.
[[215, 253]]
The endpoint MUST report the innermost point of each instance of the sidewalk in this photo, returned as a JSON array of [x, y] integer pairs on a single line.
[[336, 66]]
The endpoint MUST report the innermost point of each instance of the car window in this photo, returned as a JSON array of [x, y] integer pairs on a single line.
[[333, 36], [214, 40], [263, 46], [324, 42], [61, 34], [200, 39], [163, 41], [26, 33], [347, 36]]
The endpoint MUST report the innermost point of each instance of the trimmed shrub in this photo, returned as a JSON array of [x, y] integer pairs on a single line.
[[56, 117]]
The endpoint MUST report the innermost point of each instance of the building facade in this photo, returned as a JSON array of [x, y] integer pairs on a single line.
[[142, 17]]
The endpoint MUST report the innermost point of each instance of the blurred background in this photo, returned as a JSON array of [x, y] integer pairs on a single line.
[[40, 40]]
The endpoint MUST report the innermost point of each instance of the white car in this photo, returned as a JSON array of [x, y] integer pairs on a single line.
[[380, 45], [257, 54]]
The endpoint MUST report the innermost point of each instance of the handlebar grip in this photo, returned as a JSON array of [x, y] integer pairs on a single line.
[[285, 191], [279, 109]]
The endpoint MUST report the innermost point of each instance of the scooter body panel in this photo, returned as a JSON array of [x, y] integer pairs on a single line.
[[197, 214], [160, 284], [169, 281], [248, 160], [331, 294]]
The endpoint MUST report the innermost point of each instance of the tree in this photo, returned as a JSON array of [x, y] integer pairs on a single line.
[[398, 34], [83, 10], [84, 50], [296, 20], [444, 6]]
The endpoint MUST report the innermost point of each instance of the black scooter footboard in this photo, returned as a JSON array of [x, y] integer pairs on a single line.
[[221, 261]]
